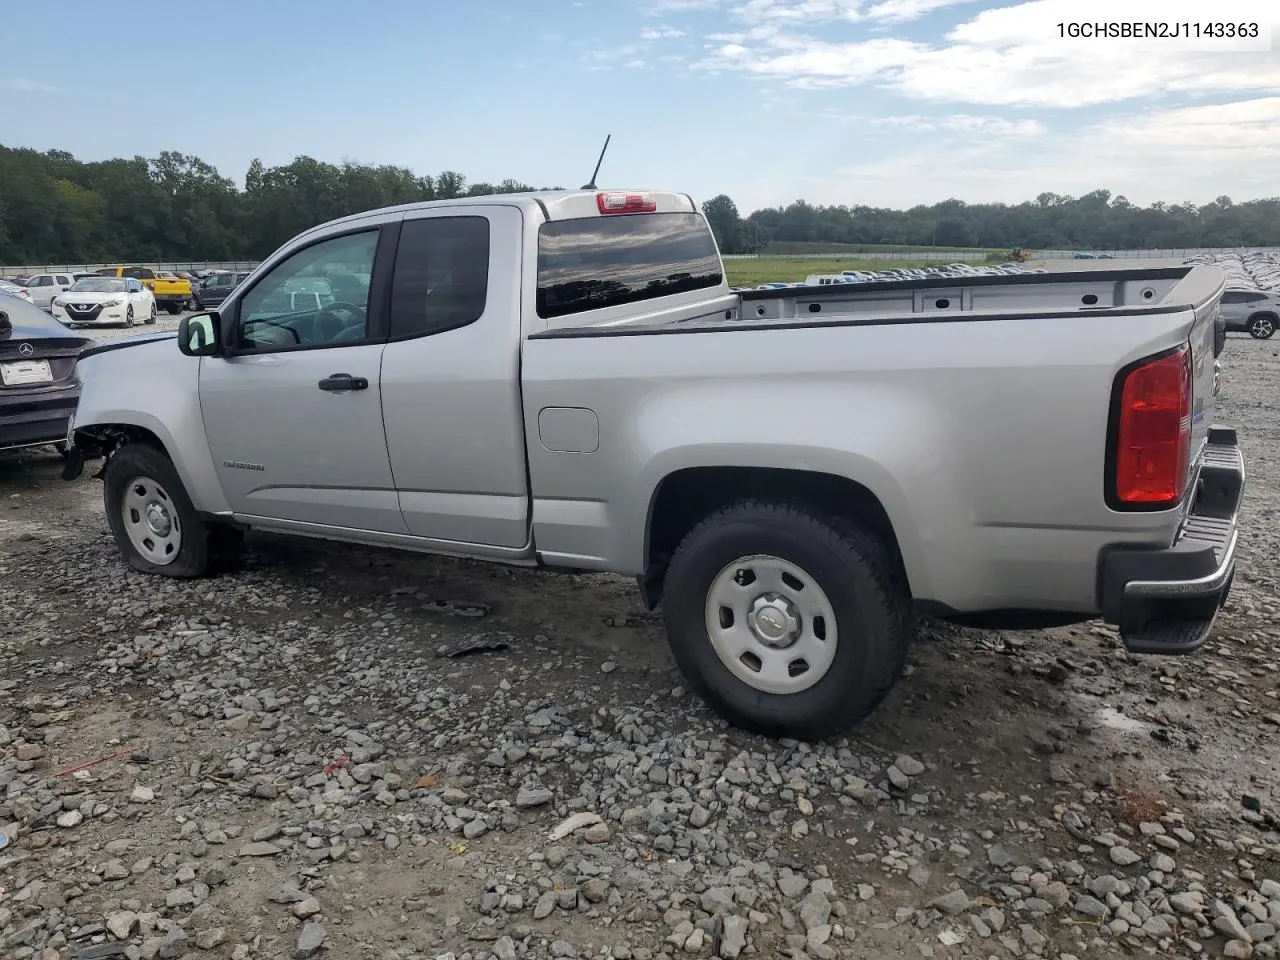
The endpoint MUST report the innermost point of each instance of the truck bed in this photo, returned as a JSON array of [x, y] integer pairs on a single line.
[[948, 425], [1116, 292]]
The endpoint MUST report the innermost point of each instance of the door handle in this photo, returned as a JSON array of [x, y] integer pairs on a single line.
[[343, 381]]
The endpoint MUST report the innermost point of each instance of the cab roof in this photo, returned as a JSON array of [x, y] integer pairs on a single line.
[[551, 204]]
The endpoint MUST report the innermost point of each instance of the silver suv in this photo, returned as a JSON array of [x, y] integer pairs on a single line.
[[1254, 311]]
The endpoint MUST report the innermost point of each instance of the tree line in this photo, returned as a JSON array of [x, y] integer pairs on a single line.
[[57, 209], [1095, 221]]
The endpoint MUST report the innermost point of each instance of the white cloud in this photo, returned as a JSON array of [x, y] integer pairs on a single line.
[[635, 55], [809, 11], [657, 7], [660, 33], [1009, 55], [798, 11], [813, 63], [1186, 153], [963, 123], [1201, 114], [900, 11], [23, 85], [829, 11]]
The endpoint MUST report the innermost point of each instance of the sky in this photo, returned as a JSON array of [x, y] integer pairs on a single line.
[[880, 102]]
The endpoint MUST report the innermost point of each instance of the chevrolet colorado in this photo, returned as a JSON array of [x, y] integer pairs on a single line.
[[565, 379]]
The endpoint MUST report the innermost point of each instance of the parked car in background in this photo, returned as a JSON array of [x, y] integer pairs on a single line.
[[209, 293], [103, 301], [1256, 312], [43, 287], [38, 386], [15, 290], [565, 380], [172, 293]]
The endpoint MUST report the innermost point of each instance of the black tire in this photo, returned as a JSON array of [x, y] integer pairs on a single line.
[[856, 572], [151, 318], [173, 308], [1262, 327], [128, 316], [201, 546]]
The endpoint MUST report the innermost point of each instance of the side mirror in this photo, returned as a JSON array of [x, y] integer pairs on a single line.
[[199, 335]]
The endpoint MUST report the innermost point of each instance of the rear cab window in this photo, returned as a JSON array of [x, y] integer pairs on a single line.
[[441, 279], [596, 262]]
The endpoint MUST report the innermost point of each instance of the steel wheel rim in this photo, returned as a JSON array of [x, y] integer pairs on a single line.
[[151, 521], [770, 624], [1262, 328]]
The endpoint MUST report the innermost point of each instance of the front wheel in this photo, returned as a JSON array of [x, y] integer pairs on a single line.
[[128, 317], [1261, 328], [788, 622], [155, 525]]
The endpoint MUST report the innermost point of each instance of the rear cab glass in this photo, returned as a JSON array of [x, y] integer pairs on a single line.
[[596, 262]]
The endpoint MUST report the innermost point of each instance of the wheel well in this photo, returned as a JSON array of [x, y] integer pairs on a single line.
[[1263, 315], [687, 496], [106, 438]]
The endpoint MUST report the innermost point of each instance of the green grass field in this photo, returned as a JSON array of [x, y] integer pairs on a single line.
[[750, 273], [789, 248]]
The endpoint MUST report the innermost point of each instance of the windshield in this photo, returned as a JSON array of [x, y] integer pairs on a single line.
[[308, 285], [98, 285]]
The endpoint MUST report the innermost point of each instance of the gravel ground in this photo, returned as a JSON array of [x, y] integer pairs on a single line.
[[349, 753]]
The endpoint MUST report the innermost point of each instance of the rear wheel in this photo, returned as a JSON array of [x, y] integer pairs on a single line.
[[173, 308], [155, 525], [788, 622], [1261, 328], [151, 317]]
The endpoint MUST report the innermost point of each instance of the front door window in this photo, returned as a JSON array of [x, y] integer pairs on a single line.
[[316, 297]]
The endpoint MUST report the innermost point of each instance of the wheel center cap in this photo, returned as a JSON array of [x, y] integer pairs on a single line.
[[774, 620], [158, 520]]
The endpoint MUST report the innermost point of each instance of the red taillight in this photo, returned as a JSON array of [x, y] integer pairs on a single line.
[[1153, 435], [626, 202]]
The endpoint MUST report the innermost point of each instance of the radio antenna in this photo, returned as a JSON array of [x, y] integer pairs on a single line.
[[595, 173]]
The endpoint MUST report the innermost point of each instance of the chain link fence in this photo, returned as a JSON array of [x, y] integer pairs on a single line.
[[30, 269]]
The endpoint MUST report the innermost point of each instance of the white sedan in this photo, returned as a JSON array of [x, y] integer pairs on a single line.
[[13, 290], [122, 301]]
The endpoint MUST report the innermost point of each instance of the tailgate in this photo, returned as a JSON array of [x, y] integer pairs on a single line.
[[1205, 345]]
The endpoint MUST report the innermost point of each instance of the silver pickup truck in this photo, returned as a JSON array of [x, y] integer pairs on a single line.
[[564, 379]]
